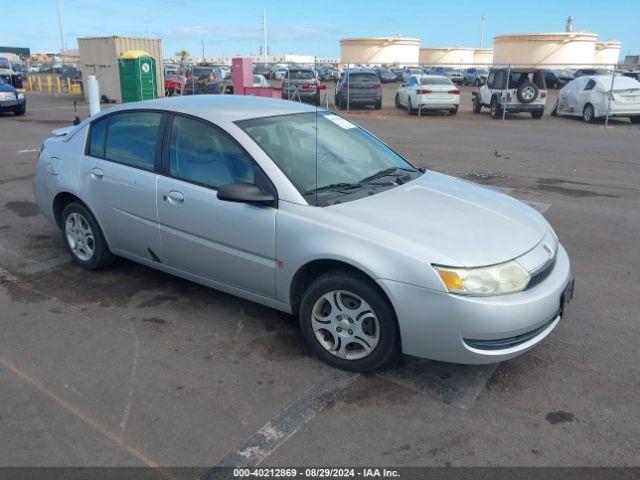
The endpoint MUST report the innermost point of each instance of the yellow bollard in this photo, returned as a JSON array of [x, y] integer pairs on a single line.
[[69, 84], [59, 85], [40, 84], [30, 83]]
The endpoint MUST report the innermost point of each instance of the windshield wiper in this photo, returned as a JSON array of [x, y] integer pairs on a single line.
[[385, 173], [333, 186]]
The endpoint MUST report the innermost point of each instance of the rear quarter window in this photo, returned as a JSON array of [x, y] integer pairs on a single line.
[[97, 138]]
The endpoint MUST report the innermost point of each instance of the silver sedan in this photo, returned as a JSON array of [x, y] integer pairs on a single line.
[[299, 209]]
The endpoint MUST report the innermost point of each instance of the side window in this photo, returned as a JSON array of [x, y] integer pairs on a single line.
[[97, 136], [498, 79], [412, 82], [590, 84], [200, 153], [490, 79], [131, 139]]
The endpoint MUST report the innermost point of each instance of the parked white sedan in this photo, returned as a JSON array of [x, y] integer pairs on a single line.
[[428, 92], [591, 96], [259, 81]]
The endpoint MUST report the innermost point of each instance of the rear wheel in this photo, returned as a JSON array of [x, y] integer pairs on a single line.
[[410, 109], [588, 114], [397, 101], [348, 322], [454, 110], [84, 239], [537, 114], [378, 105], [496, 109], [554, 112]]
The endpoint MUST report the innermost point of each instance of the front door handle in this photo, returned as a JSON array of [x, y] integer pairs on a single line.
[[176, 197], [97, 173]]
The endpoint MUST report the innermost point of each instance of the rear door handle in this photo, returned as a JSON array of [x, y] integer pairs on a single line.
[[97, 173], [176, 197]]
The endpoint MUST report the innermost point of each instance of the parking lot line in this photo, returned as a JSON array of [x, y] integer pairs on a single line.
[[88, 420], [282, 427]]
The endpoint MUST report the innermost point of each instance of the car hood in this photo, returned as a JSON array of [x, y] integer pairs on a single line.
[[446, 218], [5, 87]]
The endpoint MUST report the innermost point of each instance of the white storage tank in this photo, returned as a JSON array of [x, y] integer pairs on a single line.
[[483, 56], [447, 56], [378, 51], [560, 49], [607, 52]]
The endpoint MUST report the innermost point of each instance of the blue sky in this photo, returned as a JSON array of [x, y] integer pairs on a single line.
[[304, 27]]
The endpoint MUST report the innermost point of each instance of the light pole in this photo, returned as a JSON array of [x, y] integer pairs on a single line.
[[264, 32], [61, 35], [482, 29]]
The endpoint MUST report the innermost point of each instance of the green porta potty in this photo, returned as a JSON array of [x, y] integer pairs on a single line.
[[137, 76]]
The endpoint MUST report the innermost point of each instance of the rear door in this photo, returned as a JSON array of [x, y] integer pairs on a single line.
[[230, 243], [119, 180]]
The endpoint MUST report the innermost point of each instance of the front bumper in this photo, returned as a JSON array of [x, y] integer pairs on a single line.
[[466, 329], [12, 105]]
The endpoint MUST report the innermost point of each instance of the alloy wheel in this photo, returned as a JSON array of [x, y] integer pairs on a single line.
[[79, 236]]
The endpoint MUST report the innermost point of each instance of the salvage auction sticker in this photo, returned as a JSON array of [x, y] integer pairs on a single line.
[[341, 122]]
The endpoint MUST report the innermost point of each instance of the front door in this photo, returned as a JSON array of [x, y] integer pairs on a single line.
[[231, 243]]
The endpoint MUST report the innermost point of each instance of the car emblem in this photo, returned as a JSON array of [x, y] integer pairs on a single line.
[[548, 249]]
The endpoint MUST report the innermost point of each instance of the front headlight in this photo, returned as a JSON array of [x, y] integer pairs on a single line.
[[499, 279], [20, 96]]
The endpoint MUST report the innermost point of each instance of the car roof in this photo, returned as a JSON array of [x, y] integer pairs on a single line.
[[620, 82], [425, 75], [220, 108]]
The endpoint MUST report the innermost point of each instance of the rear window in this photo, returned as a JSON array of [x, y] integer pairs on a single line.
[[518, 78], [130, 138], [301, 75], [363, 77], [435, 81]]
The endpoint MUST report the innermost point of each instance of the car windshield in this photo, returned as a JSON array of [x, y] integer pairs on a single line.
[[327, 158], [202, 72], [435, 81], [4, 63], [301, 75]]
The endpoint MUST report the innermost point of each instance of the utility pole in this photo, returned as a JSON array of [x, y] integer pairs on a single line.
[[482, 29], [61, 35], [202, 43], [264, 31]]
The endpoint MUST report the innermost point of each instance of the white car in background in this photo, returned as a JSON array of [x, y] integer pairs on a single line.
[[591, 96], [409, 72], [259, 81], [280, 73], [428, 92]]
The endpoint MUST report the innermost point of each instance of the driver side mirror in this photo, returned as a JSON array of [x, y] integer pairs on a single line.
[[243, 192]]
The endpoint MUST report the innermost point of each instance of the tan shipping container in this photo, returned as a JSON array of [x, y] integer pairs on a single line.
[[99, 57]]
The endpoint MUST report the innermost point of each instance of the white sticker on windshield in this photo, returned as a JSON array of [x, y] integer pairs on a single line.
[[341, 122]]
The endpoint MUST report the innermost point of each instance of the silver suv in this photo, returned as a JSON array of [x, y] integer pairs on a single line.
[[525, 91]]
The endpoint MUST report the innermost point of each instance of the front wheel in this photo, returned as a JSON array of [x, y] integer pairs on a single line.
[[477, 105], [20, 111], [348, 322], [84, 239]]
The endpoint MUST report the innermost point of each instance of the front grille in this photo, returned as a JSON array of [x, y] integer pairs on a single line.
[[541, 275], [502, 343]]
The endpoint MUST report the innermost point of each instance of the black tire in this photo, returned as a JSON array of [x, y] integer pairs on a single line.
[[496, 108], [476, 104], [588, 113], [410, 109], [554, 112], [454, 110], [527, 92], [317, 101], [537, 114], [358, 284], [20, 111], [477, 82], [101, 256], [397, 102], [635, 118], [377, 105]]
